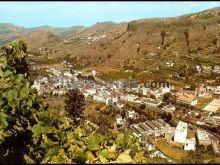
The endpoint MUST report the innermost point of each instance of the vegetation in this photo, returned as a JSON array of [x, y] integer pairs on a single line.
[[186, 33], [169, 98], [74, 104], [29, 134], [163, 35]]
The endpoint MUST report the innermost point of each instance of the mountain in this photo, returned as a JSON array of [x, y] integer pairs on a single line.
[[40, 38], [140, 44], [60, 31], [9, 32]]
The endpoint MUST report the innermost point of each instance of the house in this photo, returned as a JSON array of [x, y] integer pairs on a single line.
[[213, 106], [145, 91], [190, 144], [67, 74], [58, 92], [115, 99], [94, 72], [91, 91], [181, 132], [165, 124], [198, 68], [169, 108], [169, 133], [99, 98], [203, 137], [132, 114], [129, 97], [151, 102], [145, 127], [120, 121], [120, 105], [186, 98], [216, 147], [217, 90], [169, 64], [36, 85], [151, 125]]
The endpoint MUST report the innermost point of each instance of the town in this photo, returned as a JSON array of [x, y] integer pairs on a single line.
[[196, 112]]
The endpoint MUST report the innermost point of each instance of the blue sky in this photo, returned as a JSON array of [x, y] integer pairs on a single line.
[[64, 14]]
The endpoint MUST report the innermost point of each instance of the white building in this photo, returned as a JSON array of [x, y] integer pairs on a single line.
[[145, 90], [186, 98], [36, 85], [91, 91], [203, 137], [99, 98], [169, 108], [120, 121], [94, 72], [132, 114], [115, 99], [67, 74], [190, 144], [181, 132], [129, 97]]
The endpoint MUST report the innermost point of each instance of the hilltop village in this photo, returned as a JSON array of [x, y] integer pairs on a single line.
[[194, 113]]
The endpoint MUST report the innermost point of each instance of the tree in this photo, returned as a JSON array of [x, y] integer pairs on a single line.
[[169, 98], [152, 96], [19, 105], [16, 54], [142, 106], [163, 35], [74, 104], [215, 41], [186, 33]]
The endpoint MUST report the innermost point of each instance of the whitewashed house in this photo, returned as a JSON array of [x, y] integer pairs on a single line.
[[190, 144], [91, 91], [203, 137], [36, 85], [180, 132], [67, 74]]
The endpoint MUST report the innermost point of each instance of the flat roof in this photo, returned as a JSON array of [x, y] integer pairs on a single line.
[[134, 130], [157, 124], [150, 124], [144, 126], [213, 106], [202, 135], [162, 122]]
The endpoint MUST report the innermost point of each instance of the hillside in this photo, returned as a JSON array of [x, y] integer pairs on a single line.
[[9, 32], [140, 44]]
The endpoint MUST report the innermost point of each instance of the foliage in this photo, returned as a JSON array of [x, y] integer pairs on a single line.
[[163, 35], [19, 105], [16, 54], [74, 104], [28, 134], [169, 98]]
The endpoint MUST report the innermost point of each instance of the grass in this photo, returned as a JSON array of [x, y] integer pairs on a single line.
[[173, 151], [56, 106], [116, 75], [202, 102], [190, 134], [90, 109]]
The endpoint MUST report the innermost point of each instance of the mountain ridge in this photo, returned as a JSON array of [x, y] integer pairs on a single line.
[[137, 44]]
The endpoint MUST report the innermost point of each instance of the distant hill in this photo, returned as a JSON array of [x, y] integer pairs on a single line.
[[9, 32], [139, 44]]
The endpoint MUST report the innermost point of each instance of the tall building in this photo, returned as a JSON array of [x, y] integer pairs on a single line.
[[180, 132]]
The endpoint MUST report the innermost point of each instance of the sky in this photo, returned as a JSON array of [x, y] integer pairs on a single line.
[[67, 13]]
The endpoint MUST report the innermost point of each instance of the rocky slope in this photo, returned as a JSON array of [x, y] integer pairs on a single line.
[[140, 44]]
